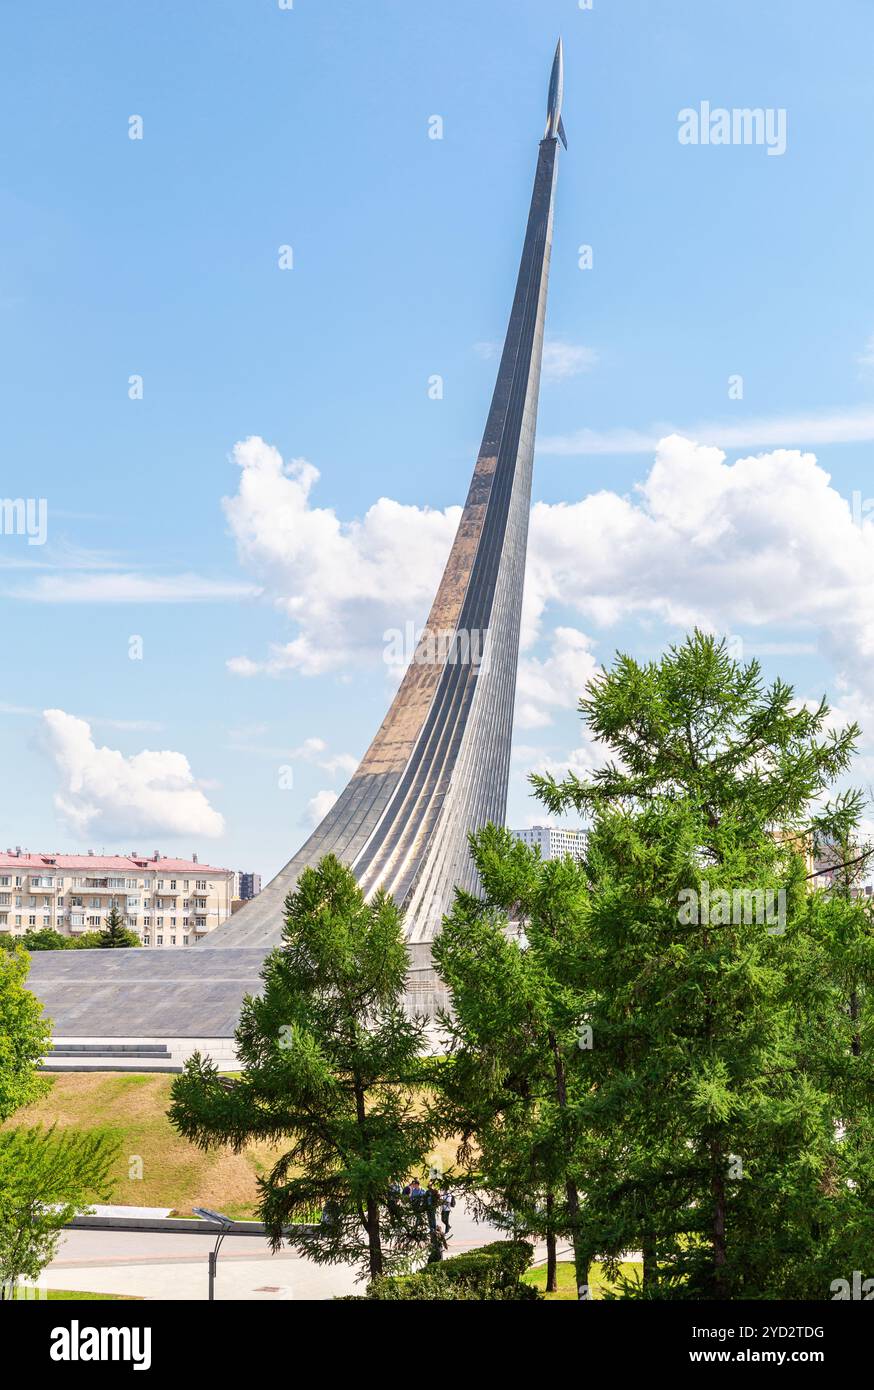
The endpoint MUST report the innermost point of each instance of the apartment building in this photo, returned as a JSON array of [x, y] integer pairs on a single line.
[[246, 885], [553, 842], [858, 876], [168, 902]]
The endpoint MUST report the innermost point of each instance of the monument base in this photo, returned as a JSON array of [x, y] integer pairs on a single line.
[[149, 1010]]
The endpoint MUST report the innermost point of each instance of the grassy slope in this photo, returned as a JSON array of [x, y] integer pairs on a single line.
[[175, 1173]]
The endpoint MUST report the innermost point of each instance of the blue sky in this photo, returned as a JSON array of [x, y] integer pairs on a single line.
[[308, 127]]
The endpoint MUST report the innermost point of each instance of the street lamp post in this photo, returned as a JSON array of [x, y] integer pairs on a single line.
[[225, 1223]]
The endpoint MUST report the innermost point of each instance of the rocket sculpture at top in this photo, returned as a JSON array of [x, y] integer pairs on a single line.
[[554, 122]]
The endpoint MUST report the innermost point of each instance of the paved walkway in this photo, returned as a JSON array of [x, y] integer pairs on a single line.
[[170, 1266]]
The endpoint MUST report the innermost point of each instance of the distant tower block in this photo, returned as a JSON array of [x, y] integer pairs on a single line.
[[438, 767]]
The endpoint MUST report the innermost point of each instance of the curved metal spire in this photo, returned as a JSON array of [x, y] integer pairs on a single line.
[[438, 766]]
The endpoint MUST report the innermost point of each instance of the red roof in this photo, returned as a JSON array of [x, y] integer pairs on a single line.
[[46, 862]]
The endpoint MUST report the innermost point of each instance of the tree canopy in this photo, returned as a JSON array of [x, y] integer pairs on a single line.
[[25, 1036]]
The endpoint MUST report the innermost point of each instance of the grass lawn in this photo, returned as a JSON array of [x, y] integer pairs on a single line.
[[60, 1295], [175, 1174], [567, 1289]]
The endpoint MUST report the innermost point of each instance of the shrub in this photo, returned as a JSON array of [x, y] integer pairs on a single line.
[[491, 1273]]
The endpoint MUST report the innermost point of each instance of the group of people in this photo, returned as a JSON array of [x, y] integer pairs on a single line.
[[431, 1200]]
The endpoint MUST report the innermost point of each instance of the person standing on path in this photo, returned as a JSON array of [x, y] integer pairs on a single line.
[[447, 1202], [432, 1202]]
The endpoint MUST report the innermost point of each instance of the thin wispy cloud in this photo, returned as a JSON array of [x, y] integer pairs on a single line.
[[59, 556], [854, 425], [130, 588], [866, 356], [312, 750], [133, 726], [82, 516], [561, 359]]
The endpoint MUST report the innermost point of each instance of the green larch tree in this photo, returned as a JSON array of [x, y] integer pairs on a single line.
[[332, 1064]]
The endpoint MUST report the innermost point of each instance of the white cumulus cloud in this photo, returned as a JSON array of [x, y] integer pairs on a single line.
[[341, 583], [762, 542], [102, 789], [318, 807], [765, 540], [557, 681]]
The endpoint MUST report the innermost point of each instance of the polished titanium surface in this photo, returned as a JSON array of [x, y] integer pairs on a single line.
[[439, 765]]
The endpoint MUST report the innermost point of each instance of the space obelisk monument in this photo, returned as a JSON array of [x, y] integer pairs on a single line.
[[438, 767]]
